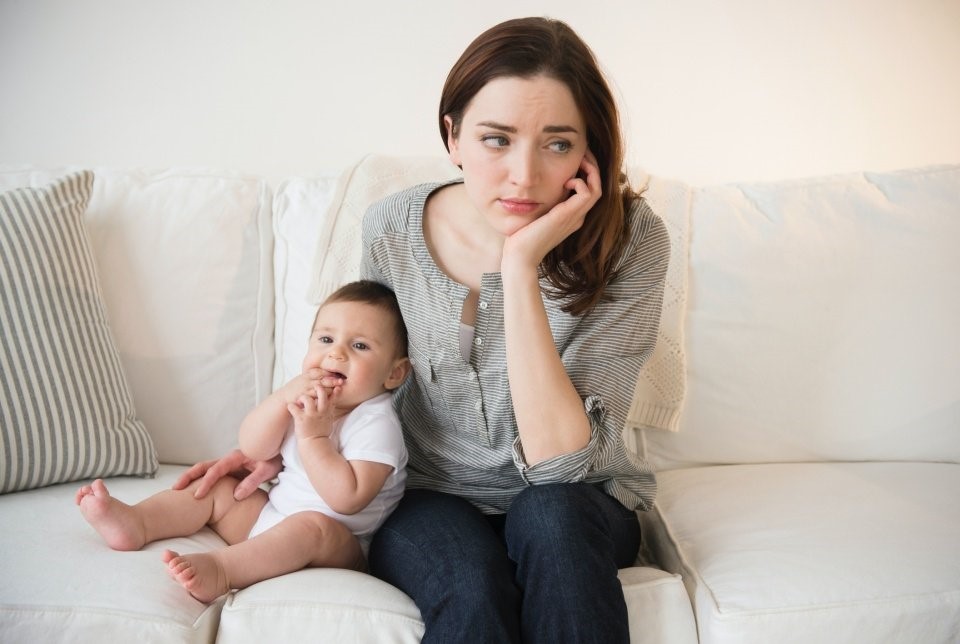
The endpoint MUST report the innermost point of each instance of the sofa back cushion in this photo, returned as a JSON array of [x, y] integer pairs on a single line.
[[822, 322], [184, 260], [300, 214]]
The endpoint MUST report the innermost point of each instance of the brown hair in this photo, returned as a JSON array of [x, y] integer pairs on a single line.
[[583, 264], [375, 294]]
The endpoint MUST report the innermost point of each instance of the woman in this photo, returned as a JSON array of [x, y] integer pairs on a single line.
[[540, 265]]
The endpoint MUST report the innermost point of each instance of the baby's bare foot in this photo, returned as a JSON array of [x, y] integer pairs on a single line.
[[116, 521], [200, 574]]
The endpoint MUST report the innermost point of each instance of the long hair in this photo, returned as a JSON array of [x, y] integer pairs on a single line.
[[583, 264]]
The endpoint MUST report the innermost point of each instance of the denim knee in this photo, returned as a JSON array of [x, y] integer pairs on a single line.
[[567, 540], [569, 519]]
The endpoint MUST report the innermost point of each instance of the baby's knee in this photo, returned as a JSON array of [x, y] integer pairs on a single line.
[[318, 526], [333, 542]]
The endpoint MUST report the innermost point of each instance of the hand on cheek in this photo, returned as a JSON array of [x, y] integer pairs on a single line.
[[528, 245]]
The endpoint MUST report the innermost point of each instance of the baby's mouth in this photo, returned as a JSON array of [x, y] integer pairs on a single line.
[[335, 374]]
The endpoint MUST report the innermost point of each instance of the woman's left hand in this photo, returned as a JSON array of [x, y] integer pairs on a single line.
[[530, 244]]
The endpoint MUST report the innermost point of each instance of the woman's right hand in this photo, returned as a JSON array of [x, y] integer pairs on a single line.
[[250, 472]]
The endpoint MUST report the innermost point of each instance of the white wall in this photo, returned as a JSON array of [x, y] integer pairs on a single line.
[[712, 90]]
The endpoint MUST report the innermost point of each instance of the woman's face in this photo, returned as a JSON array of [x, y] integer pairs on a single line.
[[520, 141]]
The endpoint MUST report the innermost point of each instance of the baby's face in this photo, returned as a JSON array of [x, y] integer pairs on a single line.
[[355, 342]]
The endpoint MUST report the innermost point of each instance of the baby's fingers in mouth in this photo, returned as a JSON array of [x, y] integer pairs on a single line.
[[330, 378]]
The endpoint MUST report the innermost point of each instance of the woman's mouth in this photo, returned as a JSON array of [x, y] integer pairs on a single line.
[[519, 206]]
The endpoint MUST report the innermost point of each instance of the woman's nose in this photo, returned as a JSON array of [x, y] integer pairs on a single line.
[[524, 169]]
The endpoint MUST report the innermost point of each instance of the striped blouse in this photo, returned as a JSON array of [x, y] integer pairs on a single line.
[[456, 410]]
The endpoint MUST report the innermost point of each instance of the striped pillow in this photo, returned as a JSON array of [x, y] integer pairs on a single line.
[[66, 412]]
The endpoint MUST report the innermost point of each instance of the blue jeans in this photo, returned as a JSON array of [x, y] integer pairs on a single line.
[[546, 571]]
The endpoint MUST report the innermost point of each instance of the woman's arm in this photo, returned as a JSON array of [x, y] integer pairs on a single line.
[[550, 415], [603, 355]]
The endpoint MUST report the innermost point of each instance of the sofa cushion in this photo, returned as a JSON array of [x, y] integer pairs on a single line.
[[814, 552], [185, 264], [300, 210], [822, 322], [62, 583], [345, 606], [661, 387], [65, 408]]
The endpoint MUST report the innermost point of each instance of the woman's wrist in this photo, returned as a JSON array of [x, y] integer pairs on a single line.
[[517, 269]]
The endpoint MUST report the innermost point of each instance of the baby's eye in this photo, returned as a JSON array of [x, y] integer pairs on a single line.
[[494, 141], [360, 346], [324, 339], [560, 146]]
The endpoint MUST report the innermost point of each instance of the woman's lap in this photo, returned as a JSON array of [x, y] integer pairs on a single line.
[[558, 582]]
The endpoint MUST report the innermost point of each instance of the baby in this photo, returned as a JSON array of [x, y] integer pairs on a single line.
[[343, 462]]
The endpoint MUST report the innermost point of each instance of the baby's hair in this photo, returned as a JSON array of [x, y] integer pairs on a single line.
[[375, 294]]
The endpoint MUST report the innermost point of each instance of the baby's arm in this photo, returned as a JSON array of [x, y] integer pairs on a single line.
[[346, 486], [263, 429]]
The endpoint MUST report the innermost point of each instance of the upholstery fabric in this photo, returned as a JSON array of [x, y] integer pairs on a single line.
[[185, 259], [814, 552], [66, 411], [822, 322], [64, 584], [300, 209]]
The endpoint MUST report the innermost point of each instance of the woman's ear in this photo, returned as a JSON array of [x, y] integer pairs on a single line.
[[398, 373], [453, 147]]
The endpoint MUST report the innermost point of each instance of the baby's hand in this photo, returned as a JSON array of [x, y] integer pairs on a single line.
[[304, 384], [313, 416]]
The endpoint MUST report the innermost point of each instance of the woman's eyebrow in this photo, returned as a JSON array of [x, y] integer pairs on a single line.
[[549, 129], [493, 125]]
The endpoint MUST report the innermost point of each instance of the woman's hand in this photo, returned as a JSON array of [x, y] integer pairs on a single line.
[[251, 474], [529, 245]]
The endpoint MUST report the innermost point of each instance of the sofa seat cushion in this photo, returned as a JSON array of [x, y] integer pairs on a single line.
[[331, 605], [322, 605], [838, 552], [345, 606], [62, 583]]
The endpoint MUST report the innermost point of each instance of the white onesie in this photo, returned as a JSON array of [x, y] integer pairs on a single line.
[[371, 432]]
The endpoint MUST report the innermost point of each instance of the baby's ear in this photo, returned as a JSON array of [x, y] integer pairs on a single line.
[[398, 373]]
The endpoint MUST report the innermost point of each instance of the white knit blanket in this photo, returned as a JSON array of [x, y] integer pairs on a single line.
[[661, 386]]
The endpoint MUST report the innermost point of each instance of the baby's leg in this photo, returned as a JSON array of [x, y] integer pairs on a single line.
[[304, 539], [171, 513]]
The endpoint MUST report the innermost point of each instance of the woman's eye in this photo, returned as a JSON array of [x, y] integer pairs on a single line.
[[494, 141], [560, 146], [360, 346]]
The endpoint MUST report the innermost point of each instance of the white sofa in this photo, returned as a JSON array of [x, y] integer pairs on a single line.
[[809, 364]]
